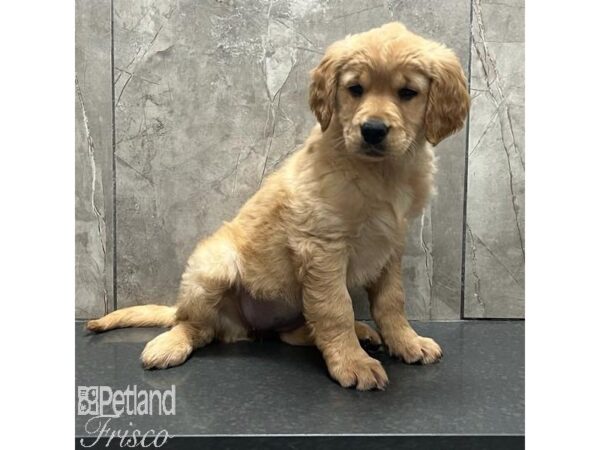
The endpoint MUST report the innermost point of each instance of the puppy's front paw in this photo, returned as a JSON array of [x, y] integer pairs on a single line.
[[415, 349], [363, 372], [164, 351]]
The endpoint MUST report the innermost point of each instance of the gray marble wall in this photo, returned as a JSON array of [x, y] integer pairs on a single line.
[[93, 159], [495, 219], [209, 97]]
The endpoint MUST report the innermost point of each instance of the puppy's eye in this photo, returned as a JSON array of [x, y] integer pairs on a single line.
[[406, 94], [356, 90]]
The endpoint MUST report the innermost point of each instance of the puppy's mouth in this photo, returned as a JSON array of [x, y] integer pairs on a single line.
[[373, 151]]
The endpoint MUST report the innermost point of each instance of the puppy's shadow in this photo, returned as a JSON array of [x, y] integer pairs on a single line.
[[266, 350], [272, 355], [262, 355]]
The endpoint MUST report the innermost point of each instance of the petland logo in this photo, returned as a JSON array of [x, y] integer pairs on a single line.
[[103, 403]]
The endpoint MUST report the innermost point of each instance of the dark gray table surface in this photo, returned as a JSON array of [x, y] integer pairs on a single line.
[[268, 388]]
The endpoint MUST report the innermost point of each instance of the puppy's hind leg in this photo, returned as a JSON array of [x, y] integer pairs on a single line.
[[211, 272], [367, 334], [303, 336], [173, 347]]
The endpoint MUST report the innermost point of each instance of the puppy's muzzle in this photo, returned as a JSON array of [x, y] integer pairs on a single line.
[[374, 131]]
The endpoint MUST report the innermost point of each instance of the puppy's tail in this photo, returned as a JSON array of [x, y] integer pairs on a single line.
[[135, 316]]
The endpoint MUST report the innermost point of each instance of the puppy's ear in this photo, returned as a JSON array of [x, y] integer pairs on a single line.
[[323, 86], [448, 102]]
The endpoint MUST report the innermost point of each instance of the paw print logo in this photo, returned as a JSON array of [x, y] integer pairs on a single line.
[[87, 400]]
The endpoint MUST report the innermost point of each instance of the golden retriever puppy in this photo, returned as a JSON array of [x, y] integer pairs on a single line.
[[332, 217]]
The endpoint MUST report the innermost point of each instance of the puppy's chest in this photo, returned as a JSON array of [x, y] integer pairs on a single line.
[[374, 240]]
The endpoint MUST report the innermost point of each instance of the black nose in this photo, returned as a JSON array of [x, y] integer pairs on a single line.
[[374, 131]]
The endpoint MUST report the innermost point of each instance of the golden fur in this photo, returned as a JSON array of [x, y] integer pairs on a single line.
[[332, 217]]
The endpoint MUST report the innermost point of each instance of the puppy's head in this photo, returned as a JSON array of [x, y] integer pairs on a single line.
[[388, 88]]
